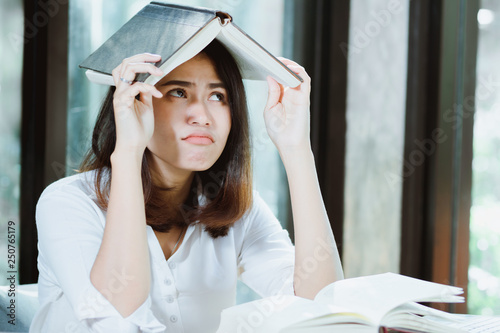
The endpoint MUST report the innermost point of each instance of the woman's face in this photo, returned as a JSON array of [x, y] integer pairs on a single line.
[[192, 119]]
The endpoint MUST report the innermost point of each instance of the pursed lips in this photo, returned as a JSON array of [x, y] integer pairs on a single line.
[[199, 139]]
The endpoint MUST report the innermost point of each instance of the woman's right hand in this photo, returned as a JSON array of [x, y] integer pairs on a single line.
[[134, 118]]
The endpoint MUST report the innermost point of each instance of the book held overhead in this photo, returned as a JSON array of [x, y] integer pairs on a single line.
[[178, 33]]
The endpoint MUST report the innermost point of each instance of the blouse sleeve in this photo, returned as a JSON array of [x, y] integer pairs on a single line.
[[70, 230], [266, 259]]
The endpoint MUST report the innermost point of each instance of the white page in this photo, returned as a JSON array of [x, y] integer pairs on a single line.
[[415, 316], [375, 295], [272, 314], [337, 328], [254, 62], [472, 323]]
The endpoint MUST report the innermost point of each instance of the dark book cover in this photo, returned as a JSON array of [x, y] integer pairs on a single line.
[[158, 28]]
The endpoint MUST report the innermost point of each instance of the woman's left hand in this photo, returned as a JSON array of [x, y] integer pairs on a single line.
[[286, 114]]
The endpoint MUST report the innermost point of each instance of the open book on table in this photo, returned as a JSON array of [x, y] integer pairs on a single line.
[[178, 33], [363, 304]]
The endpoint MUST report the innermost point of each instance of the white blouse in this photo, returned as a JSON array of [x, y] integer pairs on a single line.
[[188, 291]]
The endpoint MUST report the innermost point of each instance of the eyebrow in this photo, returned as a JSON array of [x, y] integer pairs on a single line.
[[190, 84]]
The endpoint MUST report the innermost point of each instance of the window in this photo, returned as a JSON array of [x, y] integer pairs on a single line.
[[484, 267], [376, 98], [11, 39], [90, 24]]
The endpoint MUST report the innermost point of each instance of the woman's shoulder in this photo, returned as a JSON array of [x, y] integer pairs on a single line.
[[259, 213], [69, 202], [259, 205], [259, 224], [77, 185]]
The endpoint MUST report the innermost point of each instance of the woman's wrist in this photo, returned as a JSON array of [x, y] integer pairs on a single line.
[[126, 157], [296, 154]]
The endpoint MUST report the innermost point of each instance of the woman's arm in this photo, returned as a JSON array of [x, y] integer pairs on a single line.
[[121, 271], [317, 261]]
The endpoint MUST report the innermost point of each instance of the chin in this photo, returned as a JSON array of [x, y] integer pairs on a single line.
[[198, 166], [198, 162]]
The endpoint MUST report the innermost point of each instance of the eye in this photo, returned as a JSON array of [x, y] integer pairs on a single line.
[[180, 93], [217, 97]]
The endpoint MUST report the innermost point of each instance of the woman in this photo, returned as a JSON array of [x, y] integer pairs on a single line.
[[154, 234]]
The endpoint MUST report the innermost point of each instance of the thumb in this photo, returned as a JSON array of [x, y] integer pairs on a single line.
[[147, 99], [274, 93]]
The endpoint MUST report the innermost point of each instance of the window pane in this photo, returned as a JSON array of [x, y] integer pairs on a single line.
[[11, 58], [376, 97], [484, 269], [92, 22]]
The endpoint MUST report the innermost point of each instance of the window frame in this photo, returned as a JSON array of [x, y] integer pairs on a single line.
[[437, 194], [44, 96], [315, 33]]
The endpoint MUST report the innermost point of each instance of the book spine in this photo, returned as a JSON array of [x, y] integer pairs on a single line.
[[189, 8]]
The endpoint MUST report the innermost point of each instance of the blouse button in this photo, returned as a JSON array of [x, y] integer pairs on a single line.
[[168, 282], [173, 318], [172, 265], [170, 299]]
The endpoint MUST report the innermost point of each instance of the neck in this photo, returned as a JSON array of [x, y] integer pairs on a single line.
[[177, 181]]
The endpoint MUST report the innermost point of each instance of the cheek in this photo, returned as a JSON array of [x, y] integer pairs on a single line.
[[226, 121], [163, 121], [164, 112], [157, 103]]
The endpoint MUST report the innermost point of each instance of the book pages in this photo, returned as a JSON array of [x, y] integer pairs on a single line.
[[274, 314], [374, 296]]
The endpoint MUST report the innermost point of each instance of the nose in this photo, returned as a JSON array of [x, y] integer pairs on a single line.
[[198, 114]]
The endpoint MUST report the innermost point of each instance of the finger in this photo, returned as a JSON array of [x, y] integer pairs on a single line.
[[130, 70], [136, 89], [288, 61], [274, 93], [143, 57], [117, 78], [292, 64], [116, 73], [299, 70], [144, 88], [147, 99]]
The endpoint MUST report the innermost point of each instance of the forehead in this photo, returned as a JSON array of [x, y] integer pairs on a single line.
[[198, 68]]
